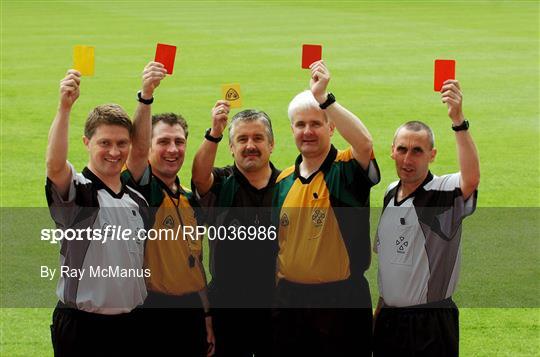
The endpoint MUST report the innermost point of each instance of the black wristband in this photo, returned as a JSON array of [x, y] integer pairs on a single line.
[[462, 126], [330, 99], [144, 101], [209, 137]]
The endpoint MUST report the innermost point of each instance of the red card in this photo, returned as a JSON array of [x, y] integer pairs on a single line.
[[444, 69], [165, 55], [310, 54]]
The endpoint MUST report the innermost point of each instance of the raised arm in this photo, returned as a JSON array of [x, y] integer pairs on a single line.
[[203, 162], [137, 161], [57, 147], [349, 125], [469, 164]]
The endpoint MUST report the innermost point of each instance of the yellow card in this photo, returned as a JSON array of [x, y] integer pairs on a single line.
[[231, 92], [83, 59]]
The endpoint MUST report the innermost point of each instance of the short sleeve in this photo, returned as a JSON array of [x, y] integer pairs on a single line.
[[207, 202], [354, 173], [442, 206], [354, 178], [210, 198], [452, 183], [144, 184], [63, 211]]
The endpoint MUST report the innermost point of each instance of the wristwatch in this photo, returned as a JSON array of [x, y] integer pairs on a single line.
[[144, 101], [330, 99], [211, 138], [462, 126]]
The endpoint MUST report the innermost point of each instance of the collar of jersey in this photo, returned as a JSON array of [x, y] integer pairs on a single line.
[[98, 184], [325, 166], [169, 192], [428, 178], [243, 181]]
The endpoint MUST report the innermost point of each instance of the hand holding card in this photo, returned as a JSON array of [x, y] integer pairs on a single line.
[[165, 55], [231, 93], [444, 70], [310, 54]]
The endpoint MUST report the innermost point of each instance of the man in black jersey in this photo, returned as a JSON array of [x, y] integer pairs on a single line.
[[238, 198]]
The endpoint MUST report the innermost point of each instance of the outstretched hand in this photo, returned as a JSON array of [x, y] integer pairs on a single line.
[[320, 77], [69, 89], [220, 116], [452, 96], [152, 75]]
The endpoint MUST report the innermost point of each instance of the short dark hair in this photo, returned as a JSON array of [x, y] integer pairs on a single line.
[[416, 125], [170, 119], [107, 114], [250, 115]]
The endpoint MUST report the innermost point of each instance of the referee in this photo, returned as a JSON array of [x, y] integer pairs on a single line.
[[95, 315], [175, 316], [239, 197], [323, 299], [419, 239]]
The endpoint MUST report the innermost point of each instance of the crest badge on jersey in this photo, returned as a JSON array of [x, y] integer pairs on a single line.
[[317, 217], [168, 222], [284, 220], [402, 245]]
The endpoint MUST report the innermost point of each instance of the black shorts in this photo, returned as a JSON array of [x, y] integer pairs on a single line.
[[332, 319], [79, 333], [242, 317], [243, 331], [173, 325], [423, 330]]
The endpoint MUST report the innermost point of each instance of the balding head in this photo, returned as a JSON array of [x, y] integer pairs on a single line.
[[416, 125]]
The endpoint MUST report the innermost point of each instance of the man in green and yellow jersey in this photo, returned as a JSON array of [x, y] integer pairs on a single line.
[[323, 300], [176, 310]]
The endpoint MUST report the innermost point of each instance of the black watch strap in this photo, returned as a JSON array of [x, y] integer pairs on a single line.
[[211, 138], [462, 126], [330, 99], [144, 101]]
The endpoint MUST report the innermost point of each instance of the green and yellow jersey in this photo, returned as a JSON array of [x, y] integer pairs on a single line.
[[174, 258], [324, 220]]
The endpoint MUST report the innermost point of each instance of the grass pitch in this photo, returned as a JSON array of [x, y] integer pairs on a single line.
[[381, 58]]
